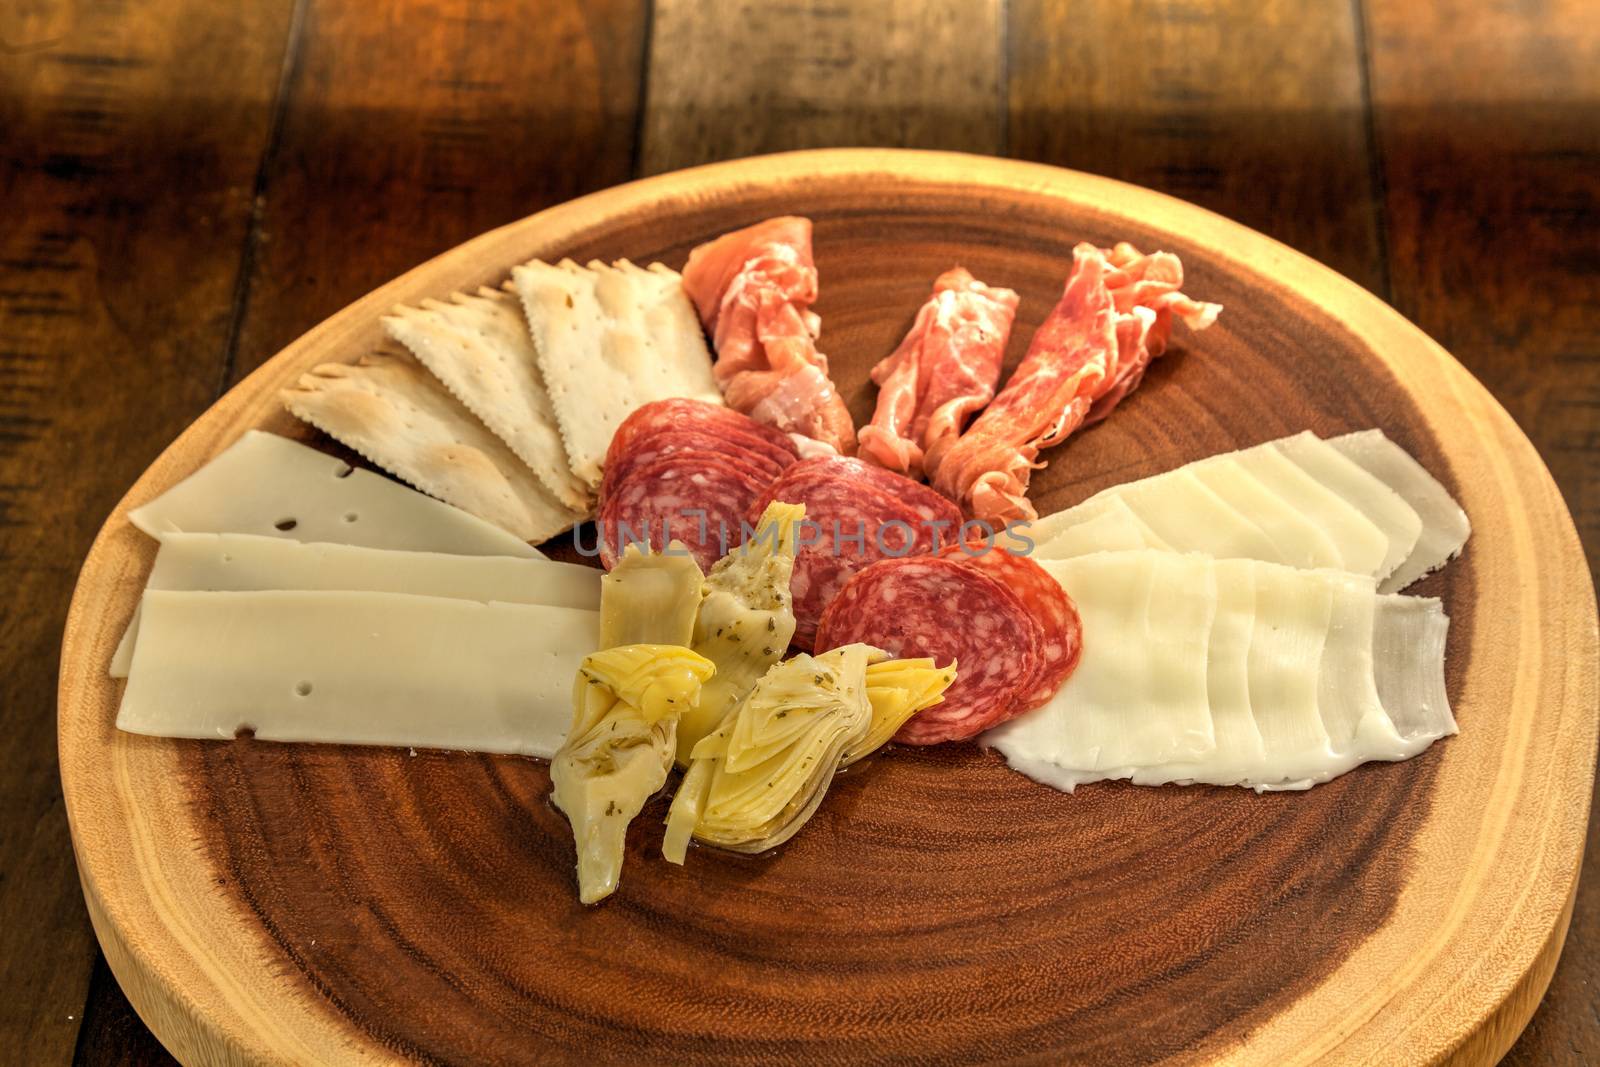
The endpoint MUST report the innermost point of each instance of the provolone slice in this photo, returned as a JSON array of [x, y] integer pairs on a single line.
[[269, 485], [246, 562], [1444, 525], [1107, 525], [357, 668], [1138, 696], [1382, 505]]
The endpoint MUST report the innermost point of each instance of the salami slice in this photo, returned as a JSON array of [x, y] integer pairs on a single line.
[[935, 606], [1059, 629], [699, 500], [646, 448], [928, 505], [850, 523], [680, 413]]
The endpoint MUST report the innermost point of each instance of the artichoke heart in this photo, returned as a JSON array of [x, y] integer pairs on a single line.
[[756, 779], [746, 620], [897, 690], [626, 703]]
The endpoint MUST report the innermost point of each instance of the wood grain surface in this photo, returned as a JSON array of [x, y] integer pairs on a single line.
[[1476, 183], [318, 903]]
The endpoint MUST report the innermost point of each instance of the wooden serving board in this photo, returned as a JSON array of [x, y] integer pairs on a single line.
[[308, 904]]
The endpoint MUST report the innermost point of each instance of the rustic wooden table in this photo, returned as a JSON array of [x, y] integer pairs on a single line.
[[187, 186]]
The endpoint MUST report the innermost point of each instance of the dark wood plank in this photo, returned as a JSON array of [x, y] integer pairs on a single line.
[[1490, 148], [410, 127], [1252, 110], [112, 1034], [729, 78], [132, 137]]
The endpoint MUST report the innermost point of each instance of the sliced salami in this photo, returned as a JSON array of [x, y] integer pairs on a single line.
[[1060, 632], [928, 505], [935, 606], [681, 413], [697, 499], [649, 447], [850, 523]]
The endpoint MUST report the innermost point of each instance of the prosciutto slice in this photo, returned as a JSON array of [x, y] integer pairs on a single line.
[[944, 372], [753, 289], [1115, 315]]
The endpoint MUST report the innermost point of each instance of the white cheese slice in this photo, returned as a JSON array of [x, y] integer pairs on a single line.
[[1187, 514], [246, 562], [1308, 674], [1408, 649], [1382, 505], [269, 485], [1107, 525], [1139, 694], [1297, 540], [1444, 525], [357, 668], [1361, 546]]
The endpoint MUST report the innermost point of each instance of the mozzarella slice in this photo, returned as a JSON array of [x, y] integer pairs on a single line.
[[1138, 696], [269, 485], [357, 668], [246, 562], [1444, 525]]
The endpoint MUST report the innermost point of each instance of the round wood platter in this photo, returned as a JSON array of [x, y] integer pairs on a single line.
[[317, 904]]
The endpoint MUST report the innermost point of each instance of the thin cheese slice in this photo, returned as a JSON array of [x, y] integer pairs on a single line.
[[1189, 515], [1408, 649], [1107, 525], [1360, 546], [611, 339], [357, 668], [1139, 694], [245, 562], [1400, 524], [269, 485], [1298, 501], [1444, 525], [392, 411], [1297, 539], [1308, 674], [479, 347]]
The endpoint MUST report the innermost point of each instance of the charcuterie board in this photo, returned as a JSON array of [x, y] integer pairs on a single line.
[[280, 903]]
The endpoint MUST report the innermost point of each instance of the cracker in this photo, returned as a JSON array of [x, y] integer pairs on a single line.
[[396, 414], [479, 347], [611, 339]]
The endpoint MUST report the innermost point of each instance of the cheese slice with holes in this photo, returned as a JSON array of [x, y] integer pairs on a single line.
[[269, 485], [201, 562], [357, 668]]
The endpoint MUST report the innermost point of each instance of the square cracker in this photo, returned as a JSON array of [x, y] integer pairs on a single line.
[[396, 414], [479, 347], [611, 339]]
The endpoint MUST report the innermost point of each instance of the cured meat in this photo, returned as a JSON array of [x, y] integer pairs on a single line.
[[682, 413], [942, 374], [953, 613], [753, 289], [1060, 632], [1114, 316], [648, 448], [698, 499], [856, 514]]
